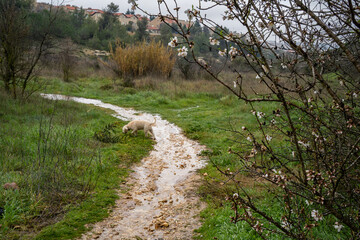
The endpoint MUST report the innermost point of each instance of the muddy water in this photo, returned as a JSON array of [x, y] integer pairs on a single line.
[[161, 201]]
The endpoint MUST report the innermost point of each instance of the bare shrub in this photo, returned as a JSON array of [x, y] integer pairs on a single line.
[[54, 174], [68, 59]]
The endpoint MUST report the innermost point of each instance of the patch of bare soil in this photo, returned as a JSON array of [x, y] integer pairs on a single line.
[[161, 201]]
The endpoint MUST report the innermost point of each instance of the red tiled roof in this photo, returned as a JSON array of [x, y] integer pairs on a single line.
[[94, 10], [70, 7]]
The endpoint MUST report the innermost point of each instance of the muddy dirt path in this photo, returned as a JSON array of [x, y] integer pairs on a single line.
[[161, 201]]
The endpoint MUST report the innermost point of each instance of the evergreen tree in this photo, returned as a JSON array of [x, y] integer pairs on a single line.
[[141, 33]]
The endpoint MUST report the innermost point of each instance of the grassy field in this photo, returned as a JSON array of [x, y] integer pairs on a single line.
[[65, 175], [207, 114]]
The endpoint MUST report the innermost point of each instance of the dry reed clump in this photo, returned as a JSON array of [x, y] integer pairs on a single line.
[[142, 59]]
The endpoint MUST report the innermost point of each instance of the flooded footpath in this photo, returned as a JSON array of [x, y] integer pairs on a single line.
[[161, 201]]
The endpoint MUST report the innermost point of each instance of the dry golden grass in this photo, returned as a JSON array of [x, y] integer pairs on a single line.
[[142, 59], [178, 85]]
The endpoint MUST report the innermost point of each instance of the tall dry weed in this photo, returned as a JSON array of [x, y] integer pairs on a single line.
[[142, 59]]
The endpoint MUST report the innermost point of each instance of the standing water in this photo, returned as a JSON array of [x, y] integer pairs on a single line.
[[161, 202]]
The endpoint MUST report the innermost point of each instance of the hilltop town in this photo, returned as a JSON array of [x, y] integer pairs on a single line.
[[153, 26]]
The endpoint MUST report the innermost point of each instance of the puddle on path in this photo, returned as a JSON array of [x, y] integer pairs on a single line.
[[161, 202]]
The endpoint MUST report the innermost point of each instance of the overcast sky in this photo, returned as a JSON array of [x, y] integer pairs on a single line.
[[152, 7]]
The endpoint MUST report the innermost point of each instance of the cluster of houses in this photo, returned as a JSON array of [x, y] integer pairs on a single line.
[[153, 26]]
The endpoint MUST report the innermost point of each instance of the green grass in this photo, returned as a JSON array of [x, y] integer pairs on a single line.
[[207, 118], [65, 175]]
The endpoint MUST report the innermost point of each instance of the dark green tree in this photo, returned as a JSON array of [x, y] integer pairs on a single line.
[[165, 33], [108, 18], [141, 33]]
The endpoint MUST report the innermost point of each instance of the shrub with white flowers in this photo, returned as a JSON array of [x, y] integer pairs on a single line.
[[309, 125]]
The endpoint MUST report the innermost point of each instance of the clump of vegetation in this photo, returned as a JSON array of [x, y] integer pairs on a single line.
[[142, 59], [109, 134]]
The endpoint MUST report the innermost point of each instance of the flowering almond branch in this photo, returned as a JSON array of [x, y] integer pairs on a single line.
[[306, 151]]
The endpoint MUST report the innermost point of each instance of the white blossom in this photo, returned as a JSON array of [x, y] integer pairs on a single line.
[[233, 51], [257, 77], [293, 154], [235, 85], [355, 95], [268, 138], [182, 52], [283, 65], [214, 41], [235, 195], [173, 42], [260, 114], [273, 121], [276, 172], [285, 224], [249, 139], [338, 226], [243, 128], [316, 215], [222, 53]]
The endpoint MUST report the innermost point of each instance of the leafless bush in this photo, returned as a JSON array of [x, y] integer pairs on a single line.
[[20, 51], [59, 163], [68, 59]]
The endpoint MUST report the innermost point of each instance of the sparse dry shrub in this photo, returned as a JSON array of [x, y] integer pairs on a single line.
[[142, 59]]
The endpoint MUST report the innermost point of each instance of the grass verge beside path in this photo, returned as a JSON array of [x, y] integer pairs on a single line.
[[66, 177]]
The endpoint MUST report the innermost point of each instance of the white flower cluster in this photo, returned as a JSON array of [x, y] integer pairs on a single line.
[[285, 224], [222, 53], [338, 226], [260, 114], [268, 138], [173, 42], [214, 41], [182, 52], [233, 52], [316, 215]]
